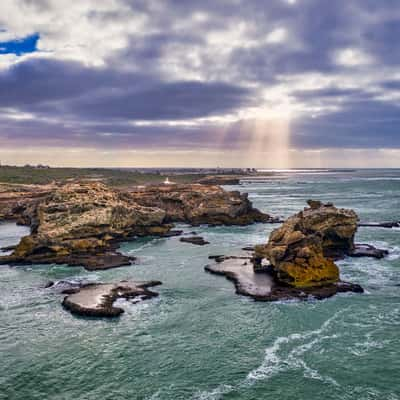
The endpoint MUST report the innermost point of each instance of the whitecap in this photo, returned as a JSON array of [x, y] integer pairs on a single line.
[[275, 363]]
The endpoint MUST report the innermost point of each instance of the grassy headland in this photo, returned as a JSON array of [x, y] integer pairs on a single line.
[[112, 177]]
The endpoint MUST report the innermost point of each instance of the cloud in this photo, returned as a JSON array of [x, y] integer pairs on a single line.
[[126, 73]]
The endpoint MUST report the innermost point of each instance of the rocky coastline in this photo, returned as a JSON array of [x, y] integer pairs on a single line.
[[83, 223]]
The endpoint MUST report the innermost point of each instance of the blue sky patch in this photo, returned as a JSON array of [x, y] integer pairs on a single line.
[[27, 44]]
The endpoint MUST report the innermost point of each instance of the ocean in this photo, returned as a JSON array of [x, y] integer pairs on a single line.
[[198, 339]]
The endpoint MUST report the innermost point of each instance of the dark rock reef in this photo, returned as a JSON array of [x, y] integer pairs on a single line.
[[366, 250], [81, 224], [389, 224], [97, 299], [197, 204], [219, 180], [198, 240]]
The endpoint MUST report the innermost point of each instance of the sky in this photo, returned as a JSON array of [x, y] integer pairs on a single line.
[[184, 83]]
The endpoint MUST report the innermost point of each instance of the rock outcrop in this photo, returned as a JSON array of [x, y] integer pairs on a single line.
[[80, 224], [18, 202], [298, 260], [97, 299], [219, 180], [201, 204], [302, 250], [261, 283], [198, 240]]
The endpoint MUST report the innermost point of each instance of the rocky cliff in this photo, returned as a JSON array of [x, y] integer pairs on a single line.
[[80, 224], [201, 204], [18, 202]]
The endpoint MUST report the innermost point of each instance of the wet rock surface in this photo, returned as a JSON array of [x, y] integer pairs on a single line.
[[262, 284], [197, 204], [198, 240], [367, 250], [97, 299], [390, 224]]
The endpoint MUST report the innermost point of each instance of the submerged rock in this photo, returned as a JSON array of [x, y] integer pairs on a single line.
[[198, 240], [262, 285], [197, 204], [390, 224], [97, 300], [366, 250], [80, 224]]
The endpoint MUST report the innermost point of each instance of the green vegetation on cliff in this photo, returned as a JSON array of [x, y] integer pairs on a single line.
[[113, 177]]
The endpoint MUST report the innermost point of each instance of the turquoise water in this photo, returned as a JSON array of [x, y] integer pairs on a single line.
[[199, 340]]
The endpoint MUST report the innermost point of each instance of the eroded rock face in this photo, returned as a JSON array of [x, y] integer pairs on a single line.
[[201, 204], [301, 251], [80, 224], [18, 202], [337, 227]]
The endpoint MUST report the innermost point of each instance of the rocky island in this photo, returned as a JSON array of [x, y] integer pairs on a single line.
[[298, 259]]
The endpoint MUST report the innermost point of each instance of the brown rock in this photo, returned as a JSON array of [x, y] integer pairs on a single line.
[[18, 202], [200, 204], [301, 250], [219, 180], [79, 224]]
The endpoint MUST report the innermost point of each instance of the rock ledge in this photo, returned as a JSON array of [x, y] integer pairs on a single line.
[[97, 299]]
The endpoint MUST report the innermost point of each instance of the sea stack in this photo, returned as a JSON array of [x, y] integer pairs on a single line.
[[302, 250]]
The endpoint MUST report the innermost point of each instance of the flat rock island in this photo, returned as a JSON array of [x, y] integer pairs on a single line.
[[97, 300]]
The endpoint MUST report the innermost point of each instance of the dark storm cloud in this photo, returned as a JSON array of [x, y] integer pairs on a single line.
[[391, 85], [53, 87], [360, 124], [39, 81], [331, 92], [81, 105], [179, 100]]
